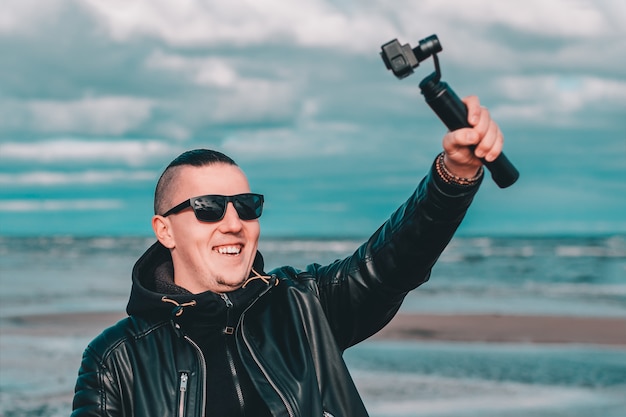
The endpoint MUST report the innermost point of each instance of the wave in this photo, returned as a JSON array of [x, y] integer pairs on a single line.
[[473, 249], [339, 246], [574, 251]]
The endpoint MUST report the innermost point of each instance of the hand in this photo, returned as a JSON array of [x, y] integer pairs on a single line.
[[484, 134]]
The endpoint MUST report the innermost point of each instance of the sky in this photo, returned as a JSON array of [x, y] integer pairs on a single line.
[[97, 96]]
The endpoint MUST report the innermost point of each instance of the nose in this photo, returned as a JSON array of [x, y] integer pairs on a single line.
[[231, 221]]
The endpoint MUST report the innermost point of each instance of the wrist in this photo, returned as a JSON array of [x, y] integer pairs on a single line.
[[466, 177]]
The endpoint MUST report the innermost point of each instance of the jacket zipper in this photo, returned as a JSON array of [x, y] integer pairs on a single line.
[[184, 377], [267, 377], [282, 397], [203, 366], [227, 301], [228, 330], [236, 383]]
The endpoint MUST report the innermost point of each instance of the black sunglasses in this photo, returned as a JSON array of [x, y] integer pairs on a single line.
[[211, 208]]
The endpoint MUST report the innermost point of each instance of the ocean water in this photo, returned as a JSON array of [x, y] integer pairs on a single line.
[[582, 276]]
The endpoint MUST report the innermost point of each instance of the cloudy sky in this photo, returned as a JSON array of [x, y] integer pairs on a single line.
[[97, 96]]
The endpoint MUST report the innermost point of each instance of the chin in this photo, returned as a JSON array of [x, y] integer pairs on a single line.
[[234, 283]]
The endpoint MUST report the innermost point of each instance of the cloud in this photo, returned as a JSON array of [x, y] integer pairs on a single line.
[[135, 152], [107, 115], [227, 91], [283, 143], [484, 35], [562, 18], [208, 71], [178, 69], [91, 115], [315, 23], [310, 23], [53, 178], [16, 12], [559, 100], [60, 205]]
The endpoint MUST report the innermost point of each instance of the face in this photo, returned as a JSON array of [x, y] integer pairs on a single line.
[[209, 256]]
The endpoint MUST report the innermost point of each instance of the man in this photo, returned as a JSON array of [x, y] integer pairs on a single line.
[[210, 333]]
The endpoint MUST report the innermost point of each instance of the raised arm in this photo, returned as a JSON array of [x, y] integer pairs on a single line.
[[362, 293]]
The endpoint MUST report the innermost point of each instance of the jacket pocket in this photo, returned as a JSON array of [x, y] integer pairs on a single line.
[[182, 393]]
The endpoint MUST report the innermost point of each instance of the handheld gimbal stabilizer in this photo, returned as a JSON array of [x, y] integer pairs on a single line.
[[401, 59]]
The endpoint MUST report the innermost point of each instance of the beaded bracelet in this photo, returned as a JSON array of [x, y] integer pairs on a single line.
[[450, 178]]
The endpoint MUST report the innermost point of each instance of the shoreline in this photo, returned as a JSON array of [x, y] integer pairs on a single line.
[[485, 328]]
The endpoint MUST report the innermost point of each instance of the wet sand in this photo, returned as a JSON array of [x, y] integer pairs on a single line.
[[507, 329], [423, 327]]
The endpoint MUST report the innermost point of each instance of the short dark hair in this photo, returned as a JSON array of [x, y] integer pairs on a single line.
[[196, 158]]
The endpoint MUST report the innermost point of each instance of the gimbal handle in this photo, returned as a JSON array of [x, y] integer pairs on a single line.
[[453, 113]]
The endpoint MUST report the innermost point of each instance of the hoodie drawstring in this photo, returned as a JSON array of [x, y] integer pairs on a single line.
[[179, 307], [178, 310], [264, 278]]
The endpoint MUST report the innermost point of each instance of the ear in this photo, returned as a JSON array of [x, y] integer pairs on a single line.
[[162, 230]]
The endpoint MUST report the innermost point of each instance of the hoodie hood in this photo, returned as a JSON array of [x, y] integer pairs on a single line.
[[154, 295]]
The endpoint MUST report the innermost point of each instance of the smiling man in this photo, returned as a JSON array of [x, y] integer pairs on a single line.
[[210, 332], [217, 254]]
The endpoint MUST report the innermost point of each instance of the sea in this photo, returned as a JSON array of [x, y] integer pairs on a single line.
[[564, 276]]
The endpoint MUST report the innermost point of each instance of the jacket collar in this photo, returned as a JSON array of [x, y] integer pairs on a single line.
[[154, 294]]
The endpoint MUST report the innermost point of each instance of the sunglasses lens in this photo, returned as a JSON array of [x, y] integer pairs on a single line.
[[249, 206], [211, 208]]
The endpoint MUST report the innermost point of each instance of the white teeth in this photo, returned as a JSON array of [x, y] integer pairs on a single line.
[[229, 250]]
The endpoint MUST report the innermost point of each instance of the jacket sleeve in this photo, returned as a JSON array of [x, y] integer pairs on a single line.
[[95, 393], [362, 293]]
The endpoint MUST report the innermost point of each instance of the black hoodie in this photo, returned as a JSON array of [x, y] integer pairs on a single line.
[[208, 319]]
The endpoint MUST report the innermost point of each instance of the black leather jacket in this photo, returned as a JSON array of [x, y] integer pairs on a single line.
[[291, 337]]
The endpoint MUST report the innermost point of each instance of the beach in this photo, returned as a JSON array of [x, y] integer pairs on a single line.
[[42, 352], [506, 327]]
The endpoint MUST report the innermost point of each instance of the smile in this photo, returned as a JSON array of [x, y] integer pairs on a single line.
[[229, 250]]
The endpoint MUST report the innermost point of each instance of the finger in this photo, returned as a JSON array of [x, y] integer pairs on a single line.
[[473, 109], [487, 140], [457, 149], [459, 139], [491, 145], [496, 149], [484, 123]]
